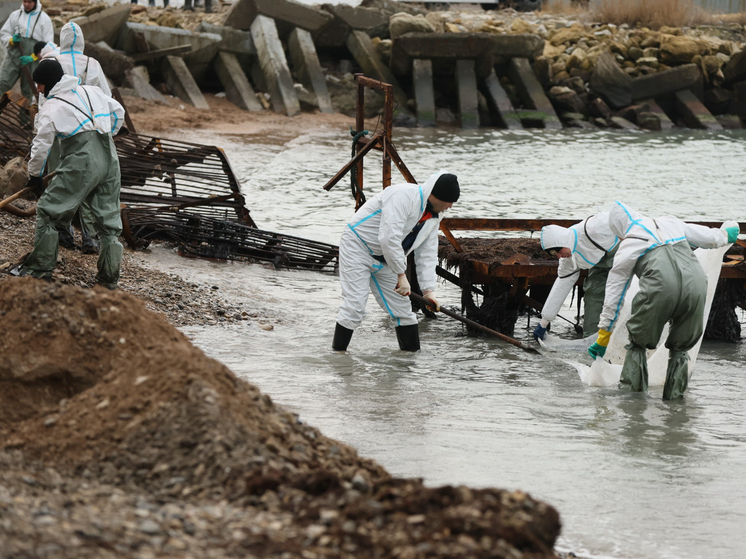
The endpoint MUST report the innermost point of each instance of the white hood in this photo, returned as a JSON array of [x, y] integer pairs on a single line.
[[554, 236], [71, 38]]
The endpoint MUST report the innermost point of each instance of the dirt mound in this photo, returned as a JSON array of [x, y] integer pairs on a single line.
[[93, 384]]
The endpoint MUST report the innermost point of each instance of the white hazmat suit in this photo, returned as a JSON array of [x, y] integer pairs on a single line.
[[590, 241], [371, 256]]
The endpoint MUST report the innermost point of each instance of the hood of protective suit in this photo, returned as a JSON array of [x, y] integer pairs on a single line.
[[37, 7], [71, 38], [66, 83], [622, 218], [554, 236]]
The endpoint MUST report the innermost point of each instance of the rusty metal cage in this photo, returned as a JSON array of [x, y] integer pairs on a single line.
[[205, 237]]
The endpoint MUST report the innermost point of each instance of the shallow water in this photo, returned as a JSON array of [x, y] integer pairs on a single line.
[[632, 476]]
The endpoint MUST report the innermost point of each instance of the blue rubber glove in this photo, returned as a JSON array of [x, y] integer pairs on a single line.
[[732, 234], [15, 39], [598, 348], [539, 332], [26, 60]]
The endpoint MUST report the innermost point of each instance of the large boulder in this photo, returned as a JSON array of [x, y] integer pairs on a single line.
[[568, 35], [403, 23], [610, 82], [16, 171], [678, 50]]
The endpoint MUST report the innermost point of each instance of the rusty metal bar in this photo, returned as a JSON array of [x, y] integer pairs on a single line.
[[388, 118], [498, 224], [357, 160], [450, 237], [359, 127], [117, 95]]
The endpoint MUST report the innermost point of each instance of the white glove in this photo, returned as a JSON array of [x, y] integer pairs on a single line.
[[430, 295], [402, 286]]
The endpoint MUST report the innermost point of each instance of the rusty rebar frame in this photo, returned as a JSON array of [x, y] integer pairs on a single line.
[[381, 141]]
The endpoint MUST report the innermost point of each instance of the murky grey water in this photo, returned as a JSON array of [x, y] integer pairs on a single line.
[[632, 476]]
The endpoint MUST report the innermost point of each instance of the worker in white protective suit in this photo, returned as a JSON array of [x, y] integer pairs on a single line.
[[75, 63], [373, 250], [673, 287], [82, 120], [588, 245], [21, 31], [89, 72]]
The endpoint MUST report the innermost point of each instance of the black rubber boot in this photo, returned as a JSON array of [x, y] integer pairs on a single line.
[[342, 337], [67, 238], [409, 337], [88, 244]]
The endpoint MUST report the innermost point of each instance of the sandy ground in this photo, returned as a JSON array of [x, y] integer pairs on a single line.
[[155, 118]]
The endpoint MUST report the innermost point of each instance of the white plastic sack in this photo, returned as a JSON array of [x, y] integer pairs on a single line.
[[607, 372]]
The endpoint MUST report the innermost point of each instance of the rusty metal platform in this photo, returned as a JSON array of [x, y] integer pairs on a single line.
[[489, 261]]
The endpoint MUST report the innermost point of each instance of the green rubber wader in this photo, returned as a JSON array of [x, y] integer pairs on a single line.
[[86, 216], [594, 290], [88, 172], [10, 69], [673, 287]]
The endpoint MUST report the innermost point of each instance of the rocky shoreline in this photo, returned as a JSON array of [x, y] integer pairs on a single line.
[[497, 68]]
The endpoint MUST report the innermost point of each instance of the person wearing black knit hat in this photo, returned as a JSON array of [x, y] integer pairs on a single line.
[[79, 120], [20, 33], [402, 219]]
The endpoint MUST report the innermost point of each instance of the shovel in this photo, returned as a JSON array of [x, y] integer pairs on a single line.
[[475, 325]]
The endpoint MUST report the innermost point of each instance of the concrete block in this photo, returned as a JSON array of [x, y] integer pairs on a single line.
[[422, 77], [182, 84], [694, 113], [466, 83], [729, 122], [307, 67], [451, 46], [334, 34], [498, 98], [653, 107], [138, 79], [532, 94], [361, 47], [205, 46], [237, 87], [738, 105], [521, 45], [735, 70], [621, 123], [664, 83], [373, 21], [274, 66], [243, 13], [105, 25], [233, 40]]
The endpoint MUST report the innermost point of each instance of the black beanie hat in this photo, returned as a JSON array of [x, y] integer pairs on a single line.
[[446, 188], [38, 46], [48, 72]]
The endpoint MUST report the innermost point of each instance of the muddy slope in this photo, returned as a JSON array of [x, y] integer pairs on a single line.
[[106, 394]]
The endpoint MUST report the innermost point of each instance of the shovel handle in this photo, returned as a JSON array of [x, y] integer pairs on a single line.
[[475, 325], [12, 197]]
